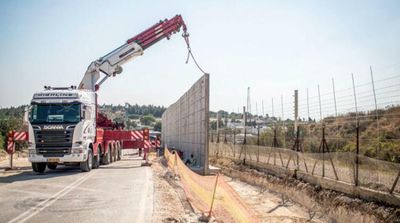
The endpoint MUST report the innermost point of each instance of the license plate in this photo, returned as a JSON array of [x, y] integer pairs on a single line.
[[53, 160]]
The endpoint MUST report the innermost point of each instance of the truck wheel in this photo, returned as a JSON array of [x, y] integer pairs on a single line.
[[52, 166], [39, 167], [111, 155], [106, 158], [115, 153], [96, 161], [87, 165], [119, 153]]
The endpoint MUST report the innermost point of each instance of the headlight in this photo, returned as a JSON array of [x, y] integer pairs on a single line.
[[76, 150]]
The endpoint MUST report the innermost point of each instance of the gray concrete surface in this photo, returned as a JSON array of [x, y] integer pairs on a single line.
[[119, 192], [185, 124]]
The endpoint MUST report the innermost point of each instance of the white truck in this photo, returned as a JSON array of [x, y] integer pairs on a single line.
[[64, 124]]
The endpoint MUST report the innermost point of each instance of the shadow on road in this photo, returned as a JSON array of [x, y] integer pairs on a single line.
[[30, 175]]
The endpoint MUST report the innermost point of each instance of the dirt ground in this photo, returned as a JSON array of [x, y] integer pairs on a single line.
[[334, 206], [170, 204], [20, 163], [272, 207]]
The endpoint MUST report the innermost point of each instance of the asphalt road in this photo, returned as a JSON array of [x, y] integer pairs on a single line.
[[119, 192]]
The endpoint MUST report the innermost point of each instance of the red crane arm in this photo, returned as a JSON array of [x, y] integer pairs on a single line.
[[162, 29]]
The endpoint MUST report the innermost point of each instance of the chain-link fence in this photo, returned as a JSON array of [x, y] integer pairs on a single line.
[[345, 166]]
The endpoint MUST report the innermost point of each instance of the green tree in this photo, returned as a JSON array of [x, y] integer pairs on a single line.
[[157, 126], [147, 120]]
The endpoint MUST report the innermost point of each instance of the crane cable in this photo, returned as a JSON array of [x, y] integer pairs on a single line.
[[185, 35]]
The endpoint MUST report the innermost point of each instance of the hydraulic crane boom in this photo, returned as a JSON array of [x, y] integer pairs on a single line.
[[110, 64]]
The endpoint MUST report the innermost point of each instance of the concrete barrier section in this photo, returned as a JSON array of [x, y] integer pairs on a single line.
[[185, 125]]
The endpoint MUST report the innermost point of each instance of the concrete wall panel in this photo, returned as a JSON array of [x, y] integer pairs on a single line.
[[185, 124]]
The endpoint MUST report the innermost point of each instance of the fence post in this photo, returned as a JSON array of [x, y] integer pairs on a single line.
[[258, 143], [395, 183], [225, 140], [323, 151], [357, 152], [234, 143]]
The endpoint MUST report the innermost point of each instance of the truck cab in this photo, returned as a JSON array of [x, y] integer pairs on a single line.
[[62, 128]]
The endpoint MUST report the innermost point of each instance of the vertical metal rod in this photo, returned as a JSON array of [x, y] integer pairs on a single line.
[[323, 151], [284, 127], [213, 197], [308, 107], [355, 97], [245, 121], [273, 115], [336, 114], [262, 105], [234, 142], [258, 143], [296, 110], [357, 130], [256, 109], [357, 152], [376, 110], [320, 107], [323, 133], [377, 122], [11, 159], [308, 118], [217, 127]]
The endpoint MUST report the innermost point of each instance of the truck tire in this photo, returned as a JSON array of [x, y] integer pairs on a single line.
[[39, 167], [111, 155], [106, 158], [96, 160], [52, 166], [87, 165], [115, 153], [119, 152]]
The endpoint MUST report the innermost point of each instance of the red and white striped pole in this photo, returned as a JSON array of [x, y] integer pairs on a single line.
[[10, 146]]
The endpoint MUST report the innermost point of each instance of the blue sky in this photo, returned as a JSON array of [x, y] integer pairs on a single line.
[[272, 46]]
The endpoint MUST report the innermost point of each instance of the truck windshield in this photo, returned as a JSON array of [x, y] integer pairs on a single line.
[[55, 113]]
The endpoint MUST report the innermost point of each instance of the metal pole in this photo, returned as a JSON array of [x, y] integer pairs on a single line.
[[377, 122], [320, 107], [284, 127], [296, 110], [217, 127], [376, 110], [308, 118], [323, 151], [357, 130], [273, 115], [234, 142], [212, 200], [336, 114], [357, 152], [323, 133], [355, 97], [258, 143], [262, 103], [245, 120]]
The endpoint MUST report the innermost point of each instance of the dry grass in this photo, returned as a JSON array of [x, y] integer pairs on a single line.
[[333, 204]]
